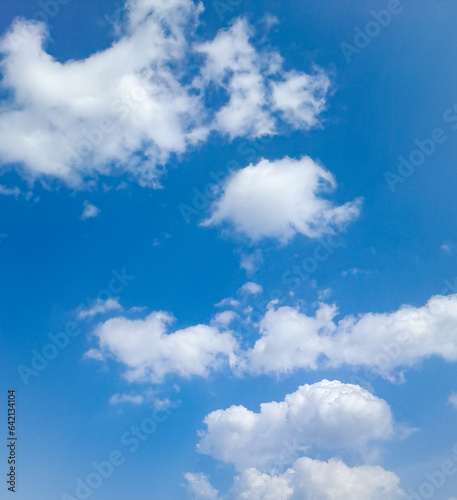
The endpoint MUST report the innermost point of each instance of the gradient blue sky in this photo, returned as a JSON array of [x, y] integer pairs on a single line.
[[401, 249]]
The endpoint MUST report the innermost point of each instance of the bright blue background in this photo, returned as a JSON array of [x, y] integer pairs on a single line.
[[392, 93]]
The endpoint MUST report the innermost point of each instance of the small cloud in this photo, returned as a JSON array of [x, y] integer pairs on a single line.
[[123, 185], [354, 271], [117, 399], [250, 288], [9, 191], [224, 318], [94, 354], [453, 400], [228, 302], [251, 262], [324, 294], [89, 211], [445, 248], [137, 309], [99, 307]]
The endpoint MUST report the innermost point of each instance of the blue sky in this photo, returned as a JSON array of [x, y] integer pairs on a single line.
[[207, 200]]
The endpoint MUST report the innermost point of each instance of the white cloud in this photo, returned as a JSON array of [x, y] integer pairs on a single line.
[[317, 480], [9, 191], [117, 399], [453, 400], [301, 98], [251, 262], [89, 211], [138, 103], [224, 318], [199, 487], [289, 340], [251, 288], [99, 307], [150, 353], [328, 415], [94, 354], [354, 271], [278, 199], [229, 301], [384, 342]]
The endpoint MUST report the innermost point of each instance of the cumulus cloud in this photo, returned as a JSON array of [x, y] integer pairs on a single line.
[[383, 342], [199, 487], [329, 415], [99, 307], [251, 288], [317, 480], [151, 352], [89, 211], [289, 340], [278, 199], [144, 100]]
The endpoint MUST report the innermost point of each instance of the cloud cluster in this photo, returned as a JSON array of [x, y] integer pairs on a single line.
[[383, 342], [329, 415], [146, 98], [150, 352], [311, 479], [326, 415], [278, 199]]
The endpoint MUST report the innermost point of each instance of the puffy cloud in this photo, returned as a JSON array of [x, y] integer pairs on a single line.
[[143, 100], [301, 98], [251, 262], [251, 288], [289, 340], [384, 342], [89, 211], [316, 480], [150, 353], [99, 307], [402, 338], [224, 318], [199, 487], [278, 199], [329, 415], [255, 485]]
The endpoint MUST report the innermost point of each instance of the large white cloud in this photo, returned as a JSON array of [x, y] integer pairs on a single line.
[[328, 415], [278, 199], [131, 107], [150, 352], [383, 342], [317, 480]]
